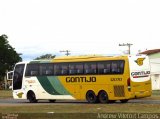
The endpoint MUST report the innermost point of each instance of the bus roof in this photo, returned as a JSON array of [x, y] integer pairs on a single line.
[[86, 58], [82, 58]]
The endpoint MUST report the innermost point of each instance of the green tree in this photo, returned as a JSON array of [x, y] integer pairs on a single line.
[[46, 56], [8, 56]]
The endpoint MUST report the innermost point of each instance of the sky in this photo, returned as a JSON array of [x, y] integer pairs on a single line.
[[84, 27]]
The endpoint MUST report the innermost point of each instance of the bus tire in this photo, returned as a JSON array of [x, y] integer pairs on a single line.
[[31, 97], [91, 97], [52, 101], [124, 101], [103, 97]]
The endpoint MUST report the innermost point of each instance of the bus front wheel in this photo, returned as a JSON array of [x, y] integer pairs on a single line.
[[103, 97], [31, 97], [91, 97]]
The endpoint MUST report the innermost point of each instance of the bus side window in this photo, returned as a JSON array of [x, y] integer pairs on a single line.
[[107, 69], [75, 68], [48, 72], [114, 68], [79, 68], [117, 67], [104, 67], [64, 70], [72, 69], [101, 68], [121, 66], [90, 68], [57, 69], [46, 69], [32, 70], [34, 73]]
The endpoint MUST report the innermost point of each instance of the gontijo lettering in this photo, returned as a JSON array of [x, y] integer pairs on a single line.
[[140, 74], [80, 79]]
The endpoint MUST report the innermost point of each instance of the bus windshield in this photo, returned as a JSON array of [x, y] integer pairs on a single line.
[[18, 76]]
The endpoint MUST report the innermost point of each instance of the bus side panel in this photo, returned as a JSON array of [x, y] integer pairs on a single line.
[[50, 87], [110, 83]]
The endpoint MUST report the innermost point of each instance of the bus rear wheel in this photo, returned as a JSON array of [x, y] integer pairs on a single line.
[[91, 97], [103, 97], [31, 97]]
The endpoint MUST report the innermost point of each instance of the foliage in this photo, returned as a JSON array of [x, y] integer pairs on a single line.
[[46, 56], [8, 56]]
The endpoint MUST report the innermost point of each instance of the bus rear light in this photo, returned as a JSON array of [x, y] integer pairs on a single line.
[[129, 84]]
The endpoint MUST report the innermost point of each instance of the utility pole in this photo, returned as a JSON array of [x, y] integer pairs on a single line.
[[129, 46], [67, 52]]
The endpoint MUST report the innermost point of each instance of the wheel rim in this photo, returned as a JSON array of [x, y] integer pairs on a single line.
[[91, 97], [103, 97], [32, 98]]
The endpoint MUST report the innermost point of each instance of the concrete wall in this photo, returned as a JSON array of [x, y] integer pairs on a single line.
[[155, 70], [155, 81]]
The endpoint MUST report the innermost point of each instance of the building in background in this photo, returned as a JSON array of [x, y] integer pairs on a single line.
[[154, 56]]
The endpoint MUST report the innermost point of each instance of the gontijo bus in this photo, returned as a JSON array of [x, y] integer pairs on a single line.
[[94, 78]]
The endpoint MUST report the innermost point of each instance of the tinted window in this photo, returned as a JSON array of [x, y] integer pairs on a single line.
[[79, 68], [117, 67], [64, 70], [60, 69], [104, 67], [32, 70], [18, 76], [46, 69], [90, 68], [75, 68], [111, 67]]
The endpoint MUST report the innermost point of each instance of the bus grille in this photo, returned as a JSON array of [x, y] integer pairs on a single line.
[[119, 91]]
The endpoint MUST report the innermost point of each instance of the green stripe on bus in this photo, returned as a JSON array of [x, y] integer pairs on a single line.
[[52, 85], [57, 85]]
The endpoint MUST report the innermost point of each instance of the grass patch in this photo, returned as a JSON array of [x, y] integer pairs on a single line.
[[76, 111], [80, 111], [5, 94], [156, 92], [49, 116], [82, 108]]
